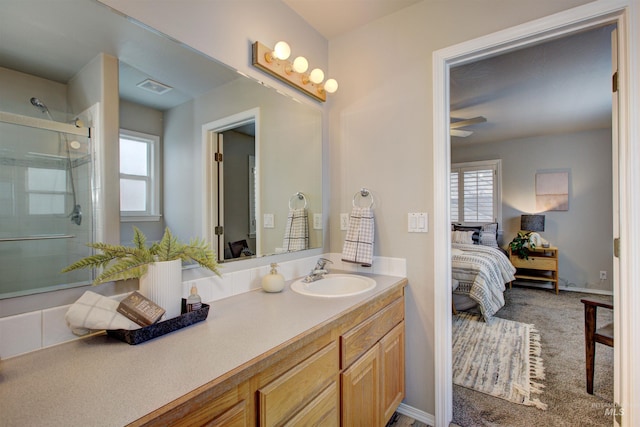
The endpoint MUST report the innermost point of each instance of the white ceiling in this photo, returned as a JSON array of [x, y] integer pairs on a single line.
[[332, 18], [562, 86], [56, 39]]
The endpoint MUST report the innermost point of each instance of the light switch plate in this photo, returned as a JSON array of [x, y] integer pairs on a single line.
[[344, 221], [268, 221], [317, 221], [418, 222]]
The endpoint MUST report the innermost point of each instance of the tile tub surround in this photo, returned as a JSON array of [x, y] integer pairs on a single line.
[[40, 329], [99, 378]]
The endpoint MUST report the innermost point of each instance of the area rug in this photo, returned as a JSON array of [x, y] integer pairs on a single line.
[[501, 358]]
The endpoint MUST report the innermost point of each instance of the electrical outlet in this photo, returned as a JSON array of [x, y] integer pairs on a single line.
[[603, 275], [317, 221], [344, 221]]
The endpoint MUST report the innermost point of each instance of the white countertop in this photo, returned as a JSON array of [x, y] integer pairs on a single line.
[[100, 381]]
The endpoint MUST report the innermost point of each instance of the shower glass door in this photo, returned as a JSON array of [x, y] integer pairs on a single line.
[[46, 213]]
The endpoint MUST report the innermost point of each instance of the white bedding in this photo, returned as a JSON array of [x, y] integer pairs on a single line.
[[483, 272]]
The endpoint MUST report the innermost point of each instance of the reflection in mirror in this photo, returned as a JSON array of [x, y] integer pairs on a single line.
[[236, 196], [80, 59]]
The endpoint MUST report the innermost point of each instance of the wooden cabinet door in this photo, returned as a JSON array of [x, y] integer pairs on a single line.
[[391, 371], [361, 391]]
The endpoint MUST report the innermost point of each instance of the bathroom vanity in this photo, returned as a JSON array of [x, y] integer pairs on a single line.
[[259, 359]]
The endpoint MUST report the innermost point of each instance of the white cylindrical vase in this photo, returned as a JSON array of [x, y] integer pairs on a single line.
[[162, 284]]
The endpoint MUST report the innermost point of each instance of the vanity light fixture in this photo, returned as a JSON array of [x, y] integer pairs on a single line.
[[275, 62]]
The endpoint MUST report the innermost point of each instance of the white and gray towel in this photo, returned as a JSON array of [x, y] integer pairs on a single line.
[[296, 233], [93, 312], [358, 244]]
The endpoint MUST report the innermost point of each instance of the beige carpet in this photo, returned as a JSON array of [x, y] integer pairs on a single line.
[[500, 358], [560, 320]]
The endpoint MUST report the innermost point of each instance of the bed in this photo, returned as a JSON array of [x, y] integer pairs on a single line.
[[482, 272]]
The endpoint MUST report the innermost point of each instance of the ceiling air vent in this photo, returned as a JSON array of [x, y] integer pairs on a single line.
[[154, 86]]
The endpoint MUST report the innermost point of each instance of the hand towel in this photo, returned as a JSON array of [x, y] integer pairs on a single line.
[[93, 312], [296, 232], [358, 244]]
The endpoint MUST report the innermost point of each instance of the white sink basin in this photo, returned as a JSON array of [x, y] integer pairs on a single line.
[[334, 285]]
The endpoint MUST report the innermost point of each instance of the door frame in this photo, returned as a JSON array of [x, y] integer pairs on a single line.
[[626, 295], [210, 133]]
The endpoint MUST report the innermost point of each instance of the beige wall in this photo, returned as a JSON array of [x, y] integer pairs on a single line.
[[97, 82], [381, 138]]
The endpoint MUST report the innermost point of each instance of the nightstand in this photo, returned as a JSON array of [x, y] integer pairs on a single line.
[[542, 265]]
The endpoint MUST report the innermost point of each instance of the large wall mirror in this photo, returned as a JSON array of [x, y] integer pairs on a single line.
[[77, 64]]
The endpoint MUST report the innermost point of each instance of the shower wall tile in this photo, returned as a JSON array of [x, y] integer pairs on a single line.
[[20, 334]]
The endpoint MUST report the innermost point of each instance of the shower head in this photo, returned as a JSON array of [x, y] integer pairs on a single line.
[[39, 105]]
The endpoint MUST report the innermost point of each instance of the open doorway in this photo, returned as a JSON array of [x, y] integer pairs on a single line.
[[545, 29], [547, 111], [232, 185]]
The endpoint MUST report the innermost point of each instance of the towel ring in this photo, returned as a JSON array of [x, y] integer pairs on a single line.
[[300, 196], [363, 193]]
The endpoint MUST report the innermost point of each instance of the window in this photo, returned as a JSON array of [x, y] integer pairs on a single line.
[[475, 192], [139, 176], [47, 190]]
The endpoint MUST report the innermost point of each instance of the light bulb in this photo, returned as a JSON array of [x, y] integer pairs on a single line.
[[316, 76], [281, 51], [330, 86], [300, 64]]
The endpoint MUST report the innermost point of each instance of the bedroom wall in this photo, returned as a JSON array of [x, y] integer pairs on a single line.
[[582, 234]]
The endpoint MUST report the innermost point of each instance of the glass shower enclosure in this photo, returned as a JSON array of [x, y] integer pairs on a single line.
[[46, 203]]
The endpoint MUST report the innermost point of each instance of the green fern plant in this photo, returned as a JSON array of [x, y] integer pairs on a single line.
[[120, 262]]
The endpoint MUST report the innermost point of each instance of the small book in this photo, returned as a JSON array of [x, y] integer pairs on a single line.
[[140, 309]]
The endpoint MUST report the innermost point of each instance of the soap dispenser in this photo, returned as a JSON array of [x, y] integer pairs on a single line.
[[274, 281]]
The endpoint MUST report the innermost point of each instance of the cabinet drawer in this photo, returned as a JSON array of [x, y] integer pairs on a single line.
[[358, 340], [321, 411], [287, 394], [536, 263]]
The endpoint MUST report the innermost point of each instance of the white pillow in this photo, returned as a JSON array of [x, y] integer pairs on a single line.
[[456, 251], [462, 237]]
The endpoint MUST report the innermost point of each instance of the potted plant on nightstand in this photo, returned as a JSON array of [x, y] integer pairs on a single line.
[[158, 266], [520, 244]]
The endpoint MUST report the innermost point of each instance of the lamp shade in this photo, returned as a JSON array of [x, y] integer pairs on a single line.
[[532, 222]]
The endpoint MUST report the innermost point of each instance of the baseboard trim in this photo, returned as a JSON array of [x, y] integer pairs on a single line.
[[564, 288], [587, 291], [416, 414]]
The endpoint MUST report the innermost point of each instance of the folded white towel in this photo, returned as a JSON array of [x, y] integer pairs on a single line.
[[93, 312], [296, 232], [358, 244]]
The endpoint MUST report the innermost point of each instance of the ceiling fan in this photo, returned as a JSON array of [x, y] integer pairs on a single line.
[[454, 127]]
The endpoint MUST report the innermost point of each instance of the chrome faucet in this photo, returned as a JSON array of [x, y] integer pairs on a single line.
[[318, 271]]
